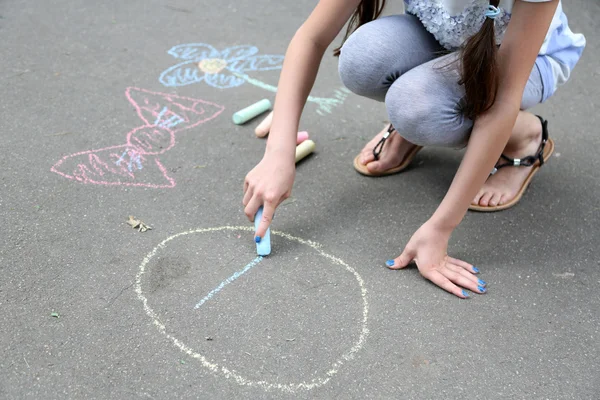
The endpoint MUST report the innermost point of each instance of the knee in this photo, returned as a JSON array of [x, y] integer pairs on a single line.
[[359, 67], [426, 117], [408, 110]]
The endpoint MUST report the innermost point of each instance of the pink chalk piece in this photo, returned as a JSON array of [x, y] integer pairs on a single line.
[[113, 166], [136, 163], [171, 111], [302, 136]]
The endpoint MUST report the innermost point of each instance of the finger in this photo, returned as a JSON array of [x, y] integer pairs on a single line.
[[247, 196], [252, 207], [463, 264], [265, 126], [462, 281], [267, 217], [402, 261], [463, 272], [440, 280], [246, 185], [466, 273]]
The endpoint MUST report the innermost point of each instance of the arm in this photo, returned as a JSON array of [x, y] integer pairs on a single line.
[[300, 68], [523, 39], [271, 181], [428, 246]]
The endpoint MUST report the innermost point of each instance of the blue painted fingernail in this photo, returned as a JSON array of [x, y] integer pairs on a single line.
[[481, 289], [257, 239], [465, 293], [475, 269], [389, 263], [482, 282]]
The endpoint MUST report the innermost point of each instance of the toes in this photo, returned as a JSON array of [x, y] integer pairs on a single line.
[[503, 199], [375, 166], [485, 199], [495, 199], [366, 156], [478, 197]]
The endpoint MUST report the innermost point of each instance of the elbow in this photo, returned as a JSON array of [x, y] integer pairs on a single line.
[[319, 42]]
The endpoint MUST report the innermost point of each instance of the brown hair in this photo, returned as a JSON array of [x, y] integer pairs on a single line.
[[367, 11], [478, 67]]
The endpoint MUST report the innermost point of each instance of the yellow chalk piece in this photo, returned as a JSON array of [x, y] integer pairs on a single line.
[[304, 149]]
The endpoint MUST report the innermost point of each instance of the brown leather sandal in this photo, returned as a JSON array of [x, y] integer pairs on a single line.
[[377, 151], [544, 152]]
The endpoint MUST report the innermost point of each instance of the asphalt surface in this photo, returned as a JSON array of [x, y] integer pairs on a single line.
[[92, 308]]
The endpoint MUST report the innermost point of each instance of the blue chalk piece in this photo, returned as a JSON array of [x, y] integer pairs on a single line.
[[263, 247]]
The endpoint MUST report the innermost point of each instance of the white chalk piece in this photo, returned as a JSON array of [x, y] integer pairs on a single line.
[[304, 149], [252, 111], [263, 248], [264, 127]]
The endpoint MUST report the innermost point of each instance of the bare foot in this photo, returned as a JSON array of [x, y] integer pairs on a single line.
[[393, 154], [504, 185]]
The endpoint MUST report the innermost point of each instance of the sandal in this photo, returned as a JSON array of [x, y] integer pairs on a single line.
[[377, 151], [544, 152]]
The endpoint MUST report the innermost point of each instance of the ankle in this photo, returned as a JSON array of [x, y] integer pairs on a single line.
[[527, 131]]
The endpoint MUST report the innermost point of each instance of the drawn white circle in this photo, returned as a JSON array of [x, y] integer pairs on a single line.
[[220, 369]]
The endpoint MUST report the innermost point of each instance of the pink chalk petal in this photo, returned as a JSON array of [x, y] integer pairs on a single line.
[[170, 111], [113, 166]]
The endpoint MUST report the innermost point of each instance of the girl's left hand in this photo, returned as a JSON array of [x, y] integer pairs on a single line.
[[428, 248]]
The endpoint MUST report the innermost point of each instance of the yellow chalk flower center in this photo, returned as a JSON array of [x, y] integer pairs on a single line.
[[212, 65]]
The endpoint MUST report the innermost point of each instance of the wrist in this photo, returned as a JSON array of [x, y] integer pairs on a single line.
[[443, 223]]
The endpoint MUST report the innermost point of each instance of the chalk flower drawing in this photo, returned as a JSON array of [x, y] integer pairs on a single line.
[[219, 69]]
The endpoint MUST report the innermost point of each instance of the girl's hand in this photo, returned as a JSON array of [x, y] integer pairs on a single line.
[[267, 185], [428, 248]]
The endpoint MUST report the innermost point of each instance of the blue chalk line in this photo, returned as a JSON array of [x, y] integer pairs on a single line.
[[228, 281]]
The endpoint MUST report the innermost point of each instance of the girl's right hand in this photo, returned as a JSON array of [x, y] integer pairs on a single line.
[[267, 185]]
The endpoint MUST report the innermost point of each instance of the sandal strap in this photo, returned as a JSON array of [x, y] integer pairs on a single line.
[[528, 161], [379, 146]]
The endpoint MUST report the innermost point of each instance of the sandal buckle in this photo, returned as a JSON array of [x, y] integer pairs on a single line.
[[517, 162]]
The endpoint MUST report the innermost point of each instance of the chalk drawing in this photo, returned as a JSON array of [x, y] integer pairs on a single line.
[[228, 69], [136, 163], [134, 157], [325, 104], [227, 281], [228, 372], [202, 62]]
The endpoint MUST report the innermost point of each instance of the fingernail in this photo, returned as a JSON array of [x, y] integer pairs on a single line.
[[389, 263], [482, 282], [475, 269], [257, 239], [465, 293], [481, 289]]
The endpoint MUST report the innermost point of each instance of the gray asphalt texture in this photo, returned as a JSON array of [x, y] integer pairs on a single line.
[[296, 317]]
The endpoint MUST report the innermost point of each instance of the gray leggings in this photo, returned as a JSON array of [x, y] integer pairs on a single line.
[[394, 59]]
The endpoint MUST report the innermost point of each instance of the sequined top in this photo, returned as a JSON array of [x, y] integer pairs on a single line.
[[452, 22]]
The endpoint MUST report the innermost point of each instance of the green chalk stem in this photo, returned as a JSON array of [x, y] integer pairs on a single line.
[[252, 111]]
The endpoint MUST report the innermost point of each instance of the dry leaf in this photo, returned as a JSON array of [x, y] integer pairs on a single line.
[[138, 224]]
